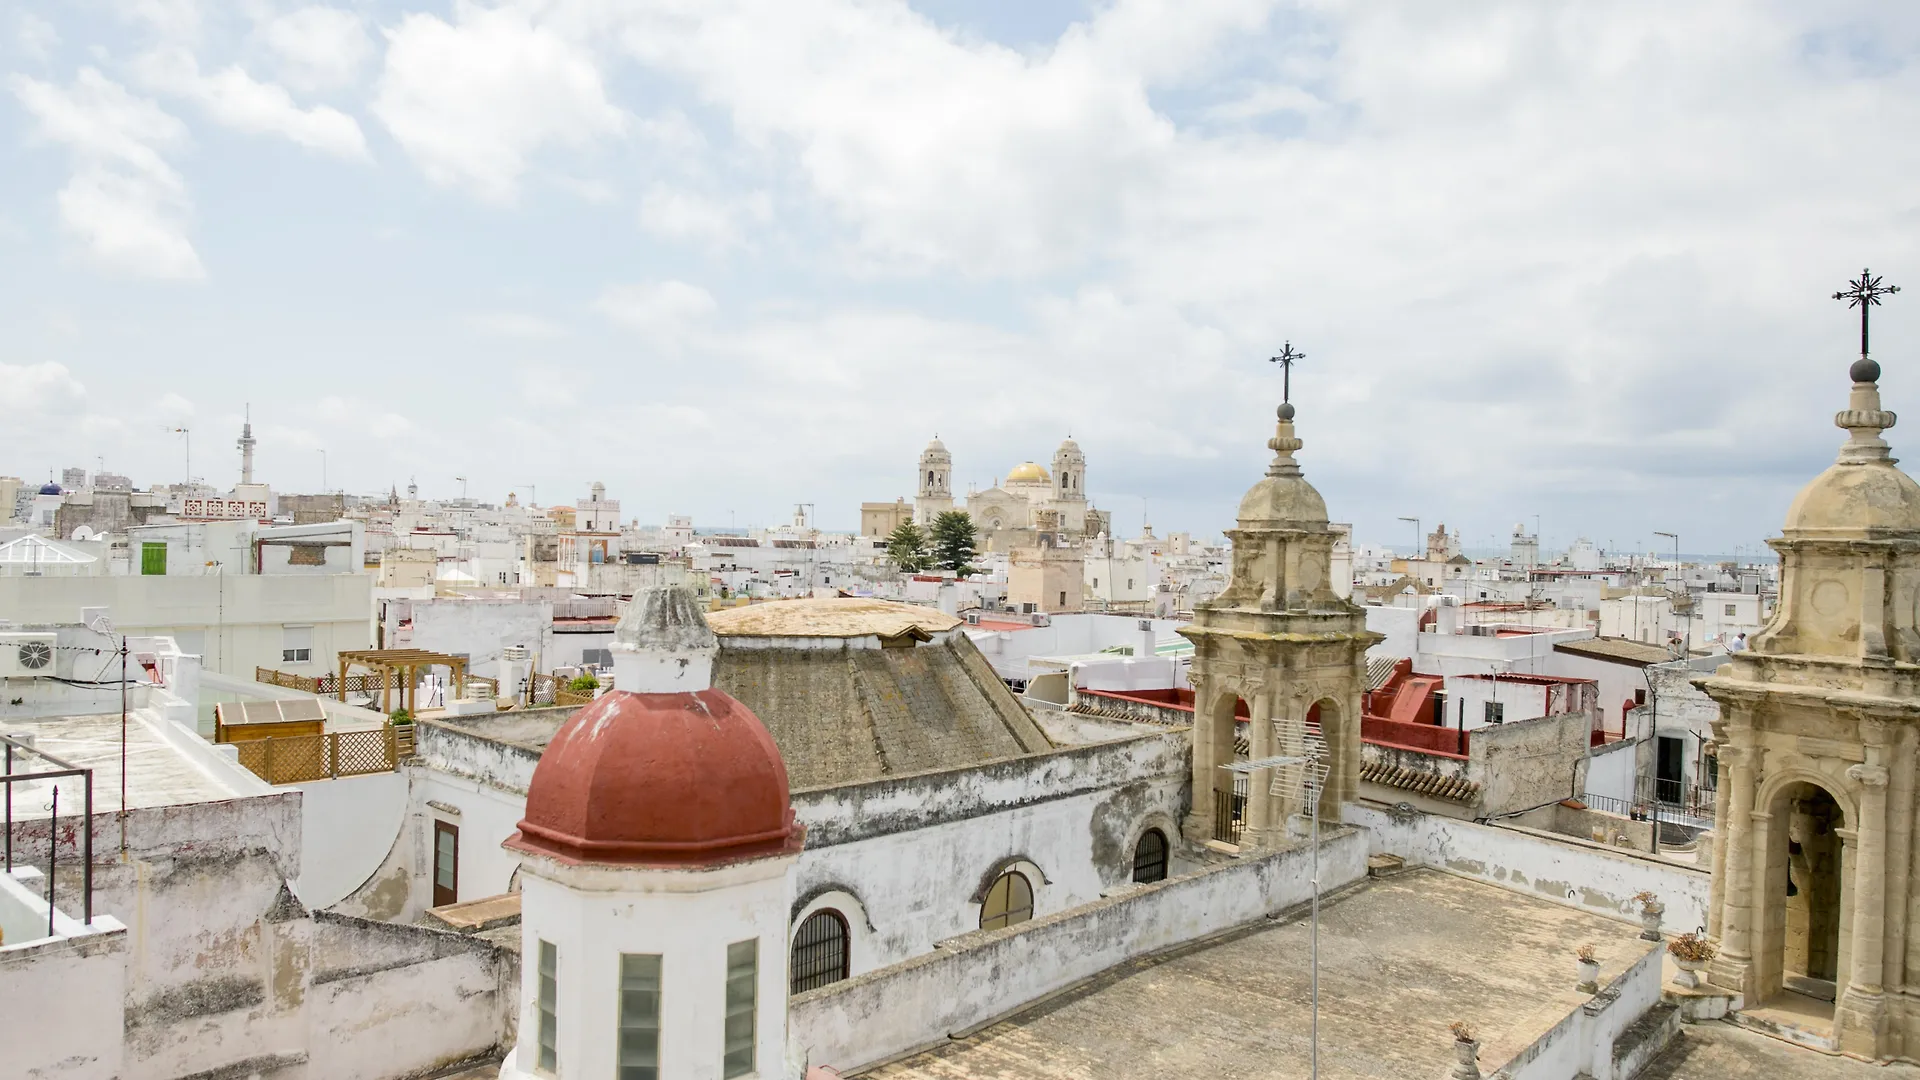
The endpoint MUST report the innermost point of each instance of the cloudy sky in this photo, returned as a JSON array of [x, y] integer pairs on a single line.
[[1564, 259]]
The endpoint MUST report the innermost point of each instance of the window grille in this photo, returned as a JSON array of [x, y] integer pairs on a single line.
[[820, 954], [549, 993], [743, 971], [1150, 857], [1496, 712], [639, 1047], [1009, 902]]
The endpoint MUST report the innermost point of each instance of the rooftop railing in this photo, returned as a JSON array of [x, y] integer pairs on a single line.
[[15, 749]]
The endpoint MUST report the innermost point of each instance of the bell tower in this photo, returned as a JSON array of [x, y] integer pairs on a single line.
[[1070, 486], [1279, 651], [934, 494], [1816, 747]]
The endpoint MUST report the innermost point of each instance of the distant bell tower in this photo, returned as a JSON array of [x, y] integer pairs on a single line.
[[246, 445], [934, 492]]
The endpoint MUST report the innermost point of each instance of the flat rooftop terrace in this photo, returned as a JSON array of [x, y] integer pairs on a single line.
[[158, 774], [1400, 958]]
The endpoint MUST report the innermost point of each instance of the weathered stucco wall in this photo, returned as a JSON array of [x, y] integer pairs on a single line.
[[918, 851], [59, 994], [1588, 1041], [1563, 869], [988, 973], [1530, 762], [389, 1000]]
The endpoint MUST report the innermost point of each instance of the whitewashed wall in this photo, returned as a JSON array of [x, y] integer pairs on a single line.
[[1610, 770], [1583, 1042], [1568, 871], [990, 972], [62, 1000], [347, 826]]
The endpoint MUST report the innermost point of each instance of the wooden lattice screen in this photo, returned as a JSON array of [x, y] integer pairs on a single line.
[[299, 758]]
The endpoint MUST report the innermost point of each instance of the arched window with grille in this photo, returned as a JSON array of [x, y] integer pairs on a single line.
[[820, 953], [1150, 857], [1009, 901]]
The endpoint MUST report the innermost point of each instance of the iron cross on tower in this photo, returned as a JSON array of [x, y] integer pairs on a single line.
[[1285, 360], [1865, 293]]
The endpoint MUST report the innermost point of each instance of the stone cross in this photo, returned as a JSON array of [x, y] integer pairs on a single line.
[[1285, 360], [1865, 293]]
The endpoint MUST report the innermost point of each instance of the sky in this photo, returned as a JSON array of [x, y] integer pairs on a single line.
[[1554, 259]]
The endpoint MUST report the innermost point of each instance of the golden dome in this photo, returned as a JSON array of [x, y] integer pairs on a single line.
[[1028, 473]]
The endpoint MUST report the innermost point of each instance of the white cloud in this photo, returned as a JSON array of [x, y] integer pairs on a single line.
[[34, 36], [237, 100], [124, 203], [173, 408], [516, 324], [319, 48], [678, 214], [473, 100], [664, 309], [43, 388]]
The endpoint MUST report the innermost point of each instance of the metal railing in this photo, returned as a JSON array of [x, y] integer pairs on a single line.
[[61, 769], [1229, 812], [294, 759]]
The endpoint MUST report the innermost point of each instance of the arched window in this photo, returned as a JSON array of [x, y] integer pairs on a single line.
[[820, 950], [1008, 902], [1150, 858]]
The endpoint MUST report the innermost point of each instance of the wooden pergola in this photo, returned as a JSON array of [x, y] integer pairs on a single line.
[[406, 661]]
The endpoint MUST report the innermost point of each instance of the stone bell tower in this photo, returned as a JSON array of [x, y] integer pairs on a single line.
[[934, 493], [1814, 878], [1279, 649]]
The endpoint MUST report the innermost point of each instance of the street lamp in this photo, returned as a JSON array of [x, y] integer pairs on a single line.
[[1416, 536], [1681, 571]]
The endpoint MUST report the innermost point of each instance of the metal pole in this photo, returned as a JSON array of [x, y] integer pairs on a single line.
[[1314, 932], [123, 768], [86, 855], [53, 853], [9, 787]]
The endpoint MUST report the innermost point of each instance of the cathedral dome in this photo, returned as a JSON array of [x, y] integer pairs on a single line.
[[669, 780], [1849, 498], [1028, 473]]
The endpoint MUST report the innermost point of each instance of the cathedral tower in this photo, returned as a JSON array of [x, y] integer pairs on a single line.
[[1814, 877], [1279, 647], [934, 495], [1070, 486]]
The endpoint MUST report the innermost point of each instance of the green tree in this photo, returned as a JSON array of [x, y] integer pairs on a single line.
[[907, 547], [953, 542]]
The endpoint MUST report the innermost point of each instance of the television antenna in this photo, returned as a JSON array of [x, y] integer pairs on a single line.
[[1300, 771]]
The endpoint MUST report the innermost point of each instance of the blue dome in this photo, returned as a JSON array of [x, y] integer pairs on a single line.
[[51, 488]]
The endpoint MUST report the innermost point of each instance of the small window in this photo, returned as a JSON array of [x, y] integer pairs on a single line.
[[1496, 712], [820, 951], [549, 992], [1096, 583], [639, 1017], [1730, 609], [743, 970], [1150, 858], [296, 644], [1009, 902], [153, 558], [1063, 598], [1129, 583]]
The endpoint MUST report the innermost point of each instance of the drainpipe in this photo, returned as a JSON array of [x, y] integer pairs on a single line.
[[1653, 735]]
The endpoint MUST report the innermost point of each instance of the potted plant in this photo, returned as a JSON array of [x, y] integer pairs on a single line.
[[1466, 1051], [1690, 953], [1650, 911], [400, 717], [1589, 970]]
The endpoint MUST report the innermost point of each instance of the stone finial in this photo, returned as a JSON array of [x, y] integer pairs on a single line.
[[1283, 444], [663, 644], [1864, 419]]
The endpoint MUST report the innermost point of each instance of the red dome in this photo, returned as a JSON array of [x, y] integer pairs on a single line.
[[674, 780]]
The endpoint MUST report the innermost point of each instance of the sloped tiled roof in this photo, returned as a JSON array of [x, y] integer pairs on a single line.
[[1452, 788]]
